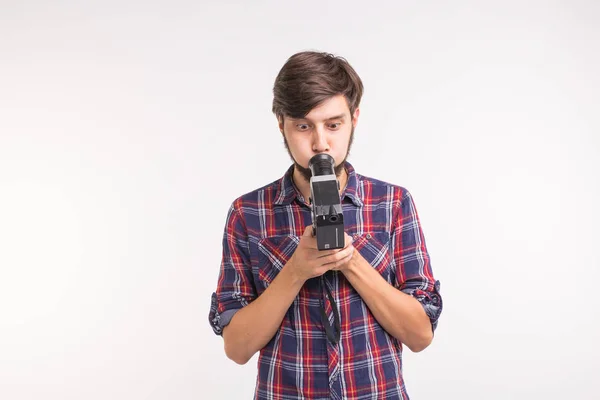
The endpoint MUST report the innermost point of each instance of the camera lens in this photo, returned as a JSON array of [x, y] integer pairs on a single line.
[[322, 164], [333, 218]]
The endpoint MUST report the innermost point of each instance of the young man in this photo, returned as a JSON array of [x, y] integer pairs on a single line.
[[340, 337]]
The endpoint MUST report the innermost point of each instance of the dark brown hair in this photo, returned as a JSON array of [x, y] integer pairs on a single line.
[[308, 78]]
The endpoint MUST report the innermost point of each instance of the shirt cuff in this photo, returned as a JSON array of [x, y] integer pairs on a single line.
[[219, 320], [431, 301]]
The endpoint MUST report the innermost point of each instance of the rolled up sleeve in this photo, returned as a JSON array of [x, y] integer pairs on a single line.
[[235, 286], [414, 275]]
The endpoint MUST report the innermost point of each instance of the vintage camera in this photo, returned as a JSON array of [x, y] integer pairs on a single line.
[[327, 214]]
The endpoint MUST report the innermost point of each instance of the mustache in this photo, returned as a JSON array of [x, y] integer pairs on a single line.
[[306, 173]]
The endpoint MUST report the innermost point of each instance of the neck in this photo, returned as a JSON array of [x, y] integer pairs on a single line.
[[304, 186]]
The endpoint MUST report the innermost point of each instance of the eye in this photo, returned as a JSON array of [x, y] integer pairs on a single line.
[[335, 125], [302, 127]]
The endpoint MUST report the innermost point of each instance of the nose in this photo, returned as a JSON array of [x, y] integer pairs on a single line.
[[320, 144]]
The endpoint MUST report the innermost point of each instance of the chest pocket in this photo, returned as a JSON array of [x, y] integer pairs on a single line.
[[375, 248], [272, 253]]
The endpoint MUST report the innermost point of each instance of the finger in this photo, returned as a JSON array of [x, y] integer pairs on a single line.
[[326, 253], [339, 264], [348, 240], [343, 262], [340, 255], [309, 240], [308, 231]]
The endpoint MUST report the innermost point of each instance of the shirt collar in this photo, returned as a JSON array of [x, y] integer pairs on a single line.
[[287, 190]]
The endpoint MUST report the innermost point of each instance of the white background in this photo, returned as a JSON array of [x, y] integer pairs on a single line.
[[128, 127]]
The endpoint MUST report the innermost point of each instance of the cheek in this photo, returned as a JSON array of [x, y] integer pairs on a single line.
[[298, 147], [341, 143], [300, 142]]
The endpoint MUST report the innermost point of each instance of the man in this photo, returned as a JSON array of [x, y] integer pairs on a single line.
[[343, 339]]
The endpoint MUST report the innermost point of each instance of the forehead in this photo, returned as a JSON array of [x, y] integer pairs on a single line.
[[332, 107]]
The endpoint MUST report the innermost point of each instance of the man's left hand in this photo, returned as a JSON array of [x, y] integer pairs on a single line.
[[348, 264]]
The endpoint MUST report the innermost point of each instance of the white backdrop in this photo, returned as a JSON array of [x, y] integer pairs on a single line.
[[128, 127]]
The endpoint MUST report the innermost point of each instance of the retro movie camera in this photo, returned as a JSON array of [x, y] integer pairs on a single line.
[[327, 215]]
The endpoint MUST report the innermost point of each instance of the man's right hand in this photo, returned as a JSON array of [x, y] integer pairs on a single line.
[[309, 262]]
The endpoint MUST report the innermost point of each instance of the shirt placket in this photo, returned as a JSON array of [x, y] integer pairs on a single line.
[[333, 352]]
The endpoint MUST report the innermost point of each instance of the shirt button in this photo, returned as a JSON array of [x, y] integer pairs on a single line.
[[368, 236]]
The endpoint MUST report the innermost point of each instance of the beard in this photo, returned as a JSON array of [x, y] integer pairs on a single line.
[[306, 173]]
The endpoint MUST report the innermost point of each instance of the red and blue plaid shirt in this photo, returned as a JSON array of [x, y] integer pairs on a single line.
[[262, 231]]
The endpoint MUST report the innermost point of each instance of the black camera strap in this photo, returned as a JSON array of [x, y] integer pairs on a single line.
[[333, 332]]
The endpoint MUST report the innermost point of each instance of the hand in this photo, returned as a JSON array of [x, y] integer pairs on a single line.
[[345, 265], [309, 262]]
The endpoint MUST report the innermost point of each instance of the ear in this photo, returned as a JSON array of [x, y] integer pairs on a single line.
[[280, 123], [355, 117]]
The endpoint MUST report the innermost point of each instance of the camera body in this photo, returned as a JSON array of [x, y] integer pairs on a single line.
[[327, 214]]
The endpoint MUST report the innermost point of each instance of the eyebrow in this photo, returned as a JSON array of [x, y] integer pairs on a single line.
[[341, 116]]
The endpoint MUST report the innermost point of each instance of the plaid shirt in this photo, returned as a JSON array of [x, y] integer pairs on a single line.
[[262, 231]]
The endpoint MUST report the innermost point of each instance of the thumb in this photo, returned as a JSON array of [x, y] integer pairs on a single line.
[[308, 231]]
